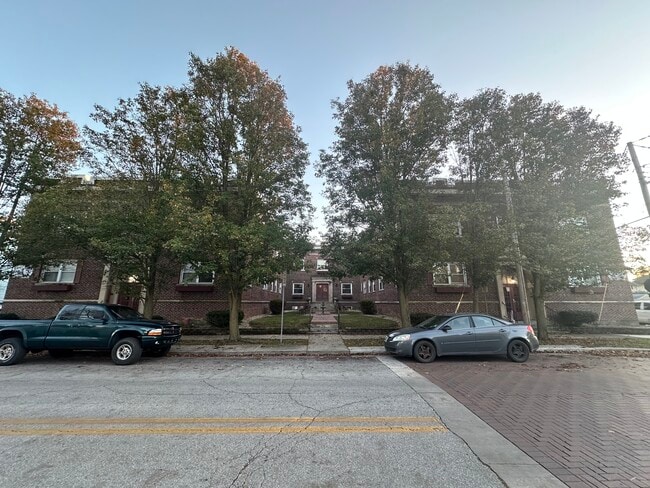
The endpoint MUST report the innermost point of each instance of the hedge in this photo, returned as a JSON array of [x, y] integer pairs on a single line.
[[221, 318]]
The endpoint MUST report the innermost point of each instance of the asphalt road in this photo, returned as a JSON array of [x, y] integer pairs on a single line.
[[214, 422]]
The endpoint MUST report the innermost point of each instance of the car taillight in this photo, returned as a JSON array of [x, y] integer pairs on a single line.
[[531, 330]]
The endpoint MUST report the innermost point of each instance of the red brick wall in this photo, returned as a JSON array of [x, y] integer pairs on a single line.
[[612, 303], [25, 297]]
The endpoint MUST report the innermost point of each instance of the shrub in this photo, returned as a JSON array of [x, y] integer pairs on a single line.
[[573, 318], [275, 306], [9, 316], [368, 307], [221, 318], [416, 318]]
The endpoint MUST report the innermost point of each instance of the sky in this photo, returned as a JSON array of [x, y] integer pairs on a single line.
[[78, 53]]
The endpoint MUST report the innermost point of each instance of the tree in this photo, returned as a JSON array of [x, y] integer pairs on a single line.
[[486, 234], [138, 153], [245, 205], [392, 132], [38, 142], [559, 166]]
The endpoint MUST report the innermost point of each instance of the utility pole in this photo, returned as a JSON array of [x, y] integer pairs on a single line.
[[521, 280], [642, 180]]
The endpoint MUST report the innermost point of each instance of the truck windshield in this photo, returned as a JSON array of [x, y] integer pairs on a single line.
[[125, 312]]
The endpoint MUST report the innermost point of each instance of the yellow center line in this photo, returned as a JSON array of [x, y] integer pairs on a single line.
[[308, 429], [217, 425]]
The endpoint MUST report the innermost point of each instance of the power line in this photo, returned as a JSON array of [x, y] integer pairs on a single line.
[[646, 137], [633, 222]]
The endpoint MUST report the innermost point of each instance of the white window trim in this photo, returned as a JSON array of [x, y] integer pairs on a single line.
[[59, 272], [302, 289], [380, 285], [187, 269], [449, 275], [321, 265], [343, 293]]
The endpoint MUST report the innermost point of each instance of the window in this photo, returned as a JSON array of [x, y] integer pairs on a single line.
[[373, 286], [298, 289], [585, 281], [459, 229], [189, 275], [484, 322], [60, 273], [346, 288], [70, 312], [459, 323], [321, 265], [93, 312], [450, 274], [364, 286], [380, 284]]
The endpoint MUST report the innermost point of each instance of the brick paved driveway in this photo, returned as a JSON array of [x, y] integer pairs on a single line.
[[585, 418]]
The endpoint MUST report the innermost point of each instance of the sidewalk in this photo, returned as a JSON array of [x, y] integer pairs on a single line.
[[322, 344]]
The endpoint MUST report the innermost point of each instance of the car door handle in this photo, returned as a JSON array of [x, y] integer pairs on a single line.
[[469, 333], [503, 330]]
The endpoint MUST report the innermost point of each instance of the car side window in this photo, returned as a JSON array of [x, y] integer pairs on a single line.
[[70, 312], [94, 312], [484, 322], [459, 323], [637, 305]]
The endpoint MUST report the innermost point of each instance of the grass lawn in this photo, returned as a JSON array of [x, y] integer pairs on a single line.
[[364, 342], [290, 319], [358, 321], [598, 341], [246, 340]]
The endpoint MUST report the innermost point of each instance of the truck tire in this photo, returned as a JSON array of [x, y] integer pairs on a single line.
[[126, 351], [12, 351]]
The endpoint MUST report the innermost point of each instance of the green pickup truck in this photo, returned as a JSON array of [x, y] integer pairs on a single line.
[[82, 326]]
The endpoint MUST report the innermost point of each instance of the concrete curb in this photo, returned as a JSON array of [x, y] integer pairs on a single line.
[[514, 467]]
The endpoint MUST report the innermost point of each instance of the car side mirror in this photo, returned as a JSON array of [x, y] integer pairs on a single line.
[[445, 328]]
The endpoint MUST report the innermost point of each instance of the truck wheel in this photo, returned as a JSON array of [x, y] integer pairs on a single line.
[[11, 351], [126, 351], [160, 352]]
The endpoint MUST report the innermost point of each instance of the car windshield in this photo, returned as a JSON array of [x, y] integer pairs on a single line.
[[125, 312], [432, 322]]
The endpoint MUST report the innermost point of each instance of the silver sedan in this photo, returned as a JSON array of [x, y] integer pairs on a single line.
[[463, 334]]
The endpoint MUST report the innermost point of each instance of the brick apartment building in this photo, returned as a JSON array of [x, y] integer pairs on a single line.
[[191, 295]]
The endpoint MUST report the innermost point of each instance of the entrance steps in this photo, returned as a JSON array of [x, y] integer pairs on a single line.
[[324, 324]]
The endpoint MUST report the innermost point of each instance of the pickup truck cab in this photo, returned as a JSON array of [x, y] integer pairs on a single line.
[[115, 328]]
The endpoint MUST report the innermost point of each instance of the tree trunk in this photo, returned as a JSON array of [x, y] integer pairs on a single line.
[[234, 299], [538, 299], [403, 307], [148, 302], [475, 304]]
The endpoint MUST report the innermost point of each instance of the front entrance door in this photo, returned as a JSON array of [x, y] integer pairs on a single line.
[[322, 292]]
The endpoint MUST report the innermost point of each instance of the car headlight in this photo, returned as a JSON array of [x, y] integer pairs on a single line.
[[155, 332], [402, 338]]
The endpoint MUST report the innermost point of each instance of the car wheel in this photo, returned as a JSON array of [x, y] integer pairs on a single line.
[[518, 351], [424, 352], [12, 351], [160, 352], [126, 351]]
